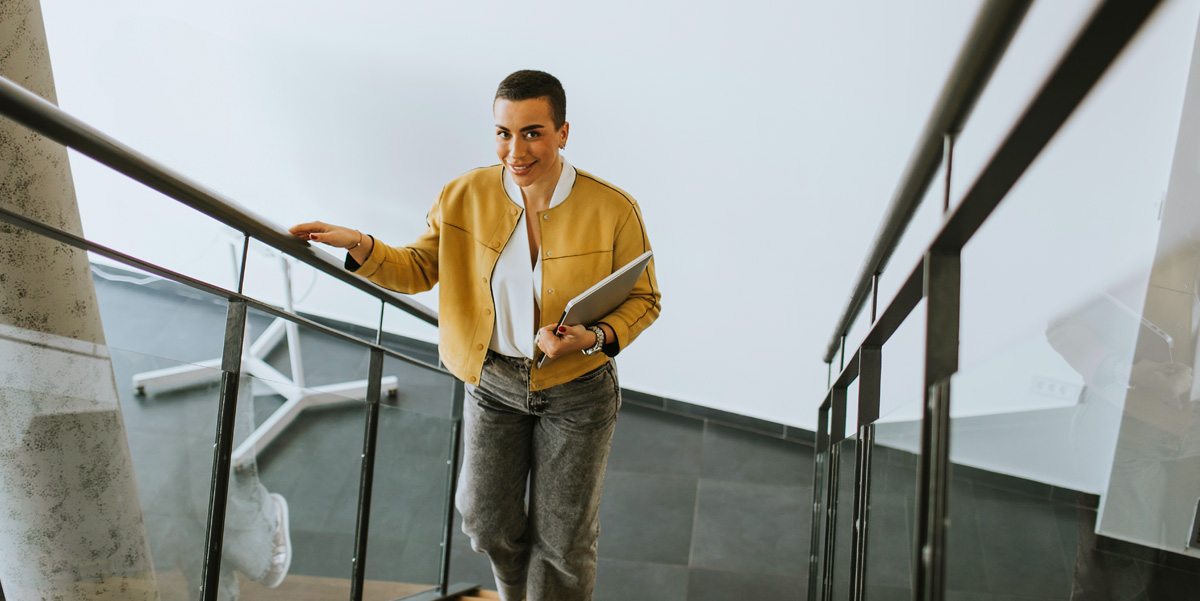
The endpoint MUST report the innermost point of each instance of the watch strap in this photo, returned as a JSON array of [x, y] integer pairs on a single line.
[[599, 341]]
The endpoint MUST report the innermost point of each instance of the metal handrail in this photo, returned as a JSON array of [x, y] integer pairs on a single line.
[[43, 117], [986, 43], [65, 237], [938, 281]]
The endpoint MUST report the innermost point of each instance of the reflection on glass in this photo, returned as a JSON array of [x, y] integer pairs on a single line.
[[1135, 348], [293, 495], [1155, 482], [296, 446]]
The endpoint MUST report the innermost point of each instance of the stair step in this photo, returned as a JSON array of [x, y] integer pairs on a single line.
[[302, 588], [298, 587], [482, 595]]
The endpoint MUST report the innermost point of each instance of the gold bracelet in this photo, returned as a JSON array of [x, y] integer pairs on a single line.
[[359, 241]]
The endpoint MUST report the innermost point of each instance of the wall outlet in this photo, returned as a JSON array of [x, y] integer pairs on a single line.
[[1055, 389]]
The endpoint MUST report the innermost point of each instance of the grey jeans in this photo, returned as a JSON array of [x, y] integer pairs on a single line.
[[554, 441]]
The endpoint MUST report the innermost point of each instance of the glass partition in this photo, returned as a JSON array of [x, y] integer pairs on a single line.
[[310, 469], [171, 427], [298, 438], [891, 526], [410, 494], [1073, 413], [843, 536], [80, 447], [166, 341], [1009, 531]]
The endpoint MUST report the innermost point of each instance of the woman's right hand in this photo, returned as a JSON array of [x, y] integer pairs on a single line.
[[333, 235]]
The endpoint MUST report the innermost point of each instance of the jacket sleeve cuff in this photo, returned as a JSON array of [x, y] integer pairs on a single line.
[[351, 265], [368, 267], [611, 347]]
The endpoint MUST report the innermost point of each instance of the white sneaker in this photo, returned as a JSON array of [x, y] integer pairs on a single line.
[[281, 546]]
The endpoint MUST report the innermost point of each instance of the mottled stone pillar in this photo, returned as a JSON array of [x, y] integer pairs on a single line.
[[70, 518]]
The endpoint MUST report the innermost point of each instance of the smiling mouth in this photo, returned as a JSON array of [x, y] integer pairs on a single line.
[[521, 169]]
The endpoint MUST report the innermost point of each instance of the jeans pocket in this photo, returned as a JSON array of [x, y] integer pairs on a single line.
[[595, 375]]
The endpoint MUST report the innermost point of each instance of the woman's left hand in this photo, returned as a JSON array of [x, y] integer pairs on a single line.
[[573, 339]]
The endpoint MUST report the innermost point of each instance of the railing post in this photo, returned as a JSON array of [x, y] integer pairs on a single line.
[[218, 496], [820, 458], [942, 291], [837, 432], [367, 479], [869, 364], [459, 395]]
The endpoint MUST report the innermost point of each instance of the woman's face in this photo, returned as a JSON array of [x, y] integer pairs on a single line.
[[526, 140]]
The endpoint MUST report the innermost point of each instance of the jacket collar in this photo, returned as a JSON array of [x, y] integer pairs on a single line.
[[566, 181]]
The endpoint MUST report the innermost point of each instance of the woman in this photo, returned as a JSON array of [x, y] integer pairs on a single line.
[[510, 245]]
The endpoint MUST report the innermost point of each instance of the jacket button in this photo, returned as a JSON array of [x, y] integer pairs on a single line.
[[547, 253], [487, 312], [479, 347], [472, 379], [485, 279], [514, 211], [550, 291], [547, 217]]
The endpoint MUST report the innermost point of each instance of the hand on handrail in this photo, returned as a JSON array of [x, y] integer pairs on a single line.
[[358, 243]]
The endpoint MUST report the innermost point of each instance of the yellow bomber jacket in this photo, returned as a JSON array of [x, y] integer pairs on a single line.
[[594, 231]]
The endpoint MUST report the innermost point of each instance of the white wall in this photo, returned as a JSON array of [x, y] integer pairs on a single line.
[[762, 139]]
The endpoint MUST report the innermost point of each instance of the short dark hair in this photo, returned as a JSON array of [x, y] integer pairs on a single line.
[[527, 84]]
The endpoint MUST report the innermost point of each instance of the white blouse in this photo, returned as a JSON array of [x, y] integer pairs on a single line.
[[515, 285]]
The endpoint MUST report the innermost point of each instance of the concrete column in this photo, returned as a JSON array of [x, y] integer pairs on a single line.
[[70, 519]]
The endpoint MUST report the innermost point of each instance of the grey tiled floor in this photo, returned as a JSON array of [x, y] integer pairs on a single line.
[[691, 509]]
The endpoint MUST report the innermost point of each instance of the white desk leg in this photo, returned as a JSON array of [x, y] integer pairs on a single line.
[[320, 396]]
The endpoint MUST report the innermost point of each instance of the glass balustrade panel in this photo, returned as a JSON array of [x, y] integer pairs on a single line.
[[166, 342], [298, 443], [95, 473], [843, 537], [409, 503], [892, 498], [1074, 413]]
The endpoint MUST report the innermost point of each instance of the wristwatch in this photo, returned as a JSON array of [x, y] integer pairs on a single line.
[[599, 331]]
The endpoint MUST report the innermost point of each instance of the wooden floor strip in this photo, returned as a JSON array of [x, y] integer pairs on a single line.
[[315, 588]]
